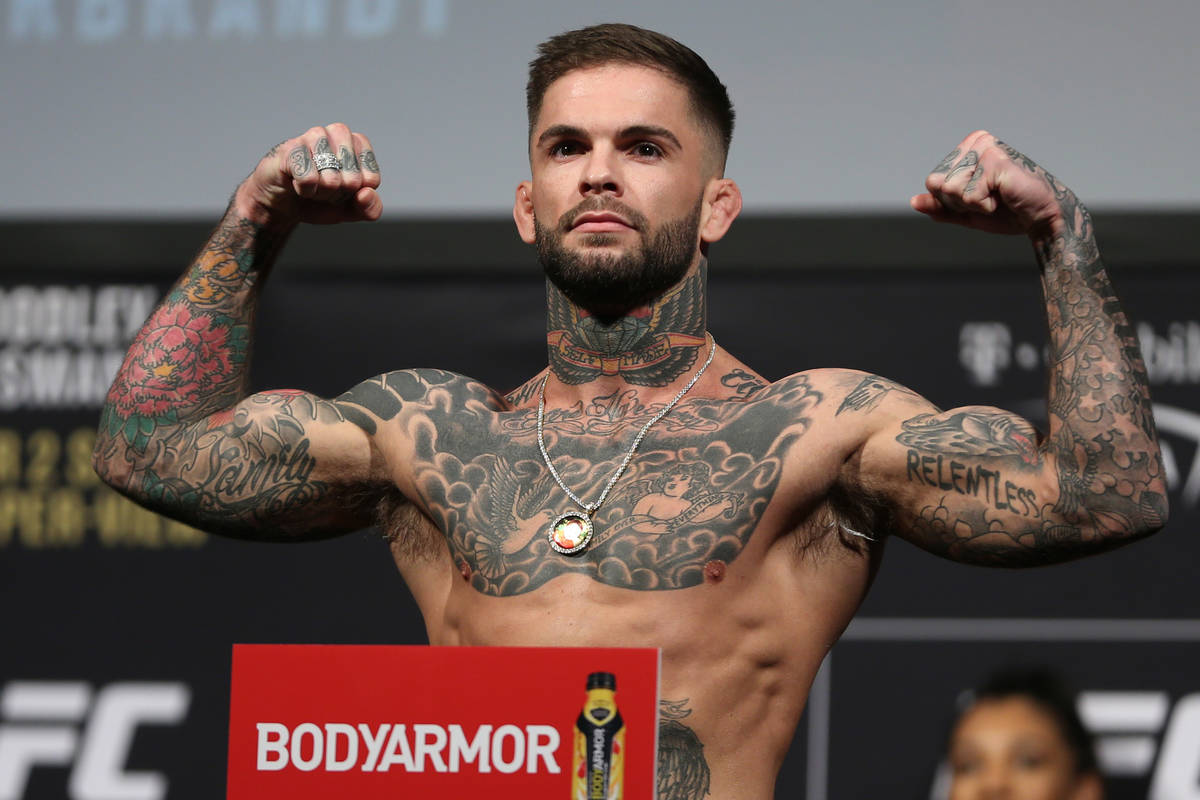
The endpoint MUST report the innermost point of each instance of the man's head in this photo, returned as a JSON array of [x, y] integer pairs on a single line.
[[628, 135], [616, 43]]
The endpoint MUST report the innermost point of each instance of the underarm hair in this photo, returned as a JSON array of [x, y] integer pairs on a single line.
[[850, 518], [407, 531]]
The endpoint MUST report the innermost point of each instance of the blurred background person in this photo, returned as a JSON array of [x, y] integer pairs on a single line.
[[1020, 736]]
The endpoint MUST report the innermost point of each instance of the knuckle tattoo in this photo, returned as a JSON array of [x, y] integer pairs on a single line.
[[946, 163], [300, 161], [974, 182], [968, 161]]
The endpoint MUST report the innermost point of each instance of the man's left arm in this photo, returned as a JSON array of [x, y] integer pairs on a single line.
[[980, 484]]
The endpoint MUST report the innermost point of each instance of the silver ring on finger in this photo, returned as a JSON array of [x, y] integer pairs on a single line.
[[326, 161]]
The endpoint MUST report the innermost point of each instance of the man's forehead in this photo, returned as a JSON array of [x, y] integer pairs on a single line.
[[620, 95]]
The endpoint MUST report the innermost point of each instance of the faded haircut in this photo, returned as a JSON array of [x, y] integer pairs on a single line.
[[616, 43]]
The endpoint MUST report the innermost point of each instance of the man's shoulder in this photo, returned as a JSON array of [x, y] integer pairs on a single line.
[[848, 396], [839, 383], [389, 394], [830, 383], [858, 403]]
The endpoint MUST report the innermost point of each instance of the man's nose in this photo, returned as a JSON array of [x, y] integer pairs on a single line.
[[600, 172]]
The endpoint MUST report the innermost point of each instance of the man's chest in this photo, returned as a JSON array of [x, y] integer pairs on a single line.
[[687, 497]]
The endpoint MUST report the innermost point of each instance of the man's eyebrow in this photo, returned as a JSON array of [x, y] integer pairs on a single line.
[[650, 131], [560, 132], [632, 132]]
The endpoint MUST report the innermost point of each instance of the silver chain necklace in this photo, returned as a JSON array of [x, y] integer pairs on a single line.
[[571, 532]]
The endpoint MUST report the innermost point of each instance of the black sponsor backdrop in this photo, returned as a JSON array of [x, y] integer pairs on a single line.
[[102, 593]]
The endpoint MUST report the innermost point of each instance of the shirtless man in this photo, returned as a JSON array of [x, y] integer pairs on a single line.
[[811, 473]]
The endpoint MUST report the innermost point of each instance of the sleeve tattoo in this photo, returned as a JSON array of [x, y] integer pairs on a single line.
[[1107, 484]]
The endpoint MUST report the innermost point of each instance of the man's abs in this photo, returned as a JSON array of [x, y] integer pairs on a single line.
[[739, 650]]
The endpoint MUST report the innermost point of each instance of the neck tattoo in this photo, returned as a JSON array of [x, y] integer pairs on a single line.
[[572, 531]]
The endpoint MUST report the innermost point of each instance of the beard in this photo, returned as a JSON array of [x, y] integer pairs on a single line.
[[605, 282]]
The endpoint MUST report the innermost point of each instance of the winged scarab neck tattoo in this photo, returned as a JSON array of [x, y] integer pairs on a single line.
[[650, 346]]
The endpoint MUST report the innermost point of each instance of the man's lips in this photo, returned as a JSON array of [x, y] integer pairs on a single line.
[[600, 222]]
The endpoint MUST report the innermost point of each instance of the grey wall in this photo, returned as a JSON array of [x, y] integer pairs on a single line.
[[158, 107]]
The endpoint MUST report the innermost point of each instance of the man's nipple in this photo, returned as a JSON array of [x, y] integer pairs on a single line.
[[714, 571]]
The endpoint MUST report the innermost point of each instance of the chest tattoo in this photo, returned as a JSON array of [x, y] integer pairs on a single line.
[[693, 494]]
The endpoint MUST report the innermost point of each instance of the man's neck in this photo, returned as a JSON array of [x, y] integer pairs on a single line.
[[656, 345]]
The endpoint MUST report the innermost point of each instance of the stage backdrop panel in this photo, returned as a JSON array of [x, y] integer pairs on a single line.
[[119, 624]]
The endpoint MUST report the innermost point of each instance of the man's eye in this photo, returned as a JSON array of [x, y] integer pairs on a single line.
[[565, 149], [647, 150]]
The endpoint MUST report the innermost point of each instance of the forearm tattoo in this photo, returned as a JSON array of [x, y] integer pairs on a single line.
[[190, 357], [170, 435]]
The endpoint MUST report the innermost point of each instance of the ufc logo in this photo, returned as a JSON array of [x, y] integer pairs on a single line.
[[67, 724], [1126, 727]]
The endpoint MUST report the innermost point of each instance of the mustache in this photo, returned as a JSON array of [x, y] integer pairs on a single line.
[[593, 204]]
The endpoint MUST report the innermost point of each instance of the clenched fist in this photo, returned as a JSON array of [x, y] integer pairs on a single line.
[[327, 175], [986, 184]]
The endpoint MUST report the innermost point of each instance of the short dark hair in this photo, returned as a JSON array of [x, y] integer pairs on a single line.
[[1046, 690], [628, 44]]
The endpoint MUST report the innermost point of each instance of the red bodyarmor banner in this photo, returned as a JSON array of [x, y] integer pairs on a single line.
[[319, 721]]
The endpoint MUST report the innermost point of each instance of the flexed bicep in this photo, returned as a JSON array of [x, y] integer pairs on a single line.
[[277, 465], [1098, 479], [982, 485]]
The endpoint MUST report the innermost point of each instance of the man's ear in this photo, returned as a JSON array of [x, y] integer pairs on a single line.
[[723, 203], [523, 212]]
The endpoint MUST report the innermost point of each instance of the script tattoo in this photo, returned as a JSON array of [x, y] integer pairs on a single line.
[[604, 414], [346, 156], [687, 499], [1102, 441], [648, 348], [300, 161], [525, 392], [743, 382], [683, 772], [250, 466], [968, 161]]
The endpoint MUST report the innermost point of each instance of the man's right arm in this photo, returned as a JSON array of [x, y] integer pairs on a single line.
[[178, 432]]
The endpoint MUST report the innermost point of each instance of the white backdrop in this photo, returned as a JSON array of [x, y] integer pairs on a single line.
[[156, 108]]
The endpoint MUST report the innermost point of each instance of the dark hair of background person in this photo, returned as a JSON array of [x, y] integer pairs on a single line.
[[1047, 691], [616, 43]]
